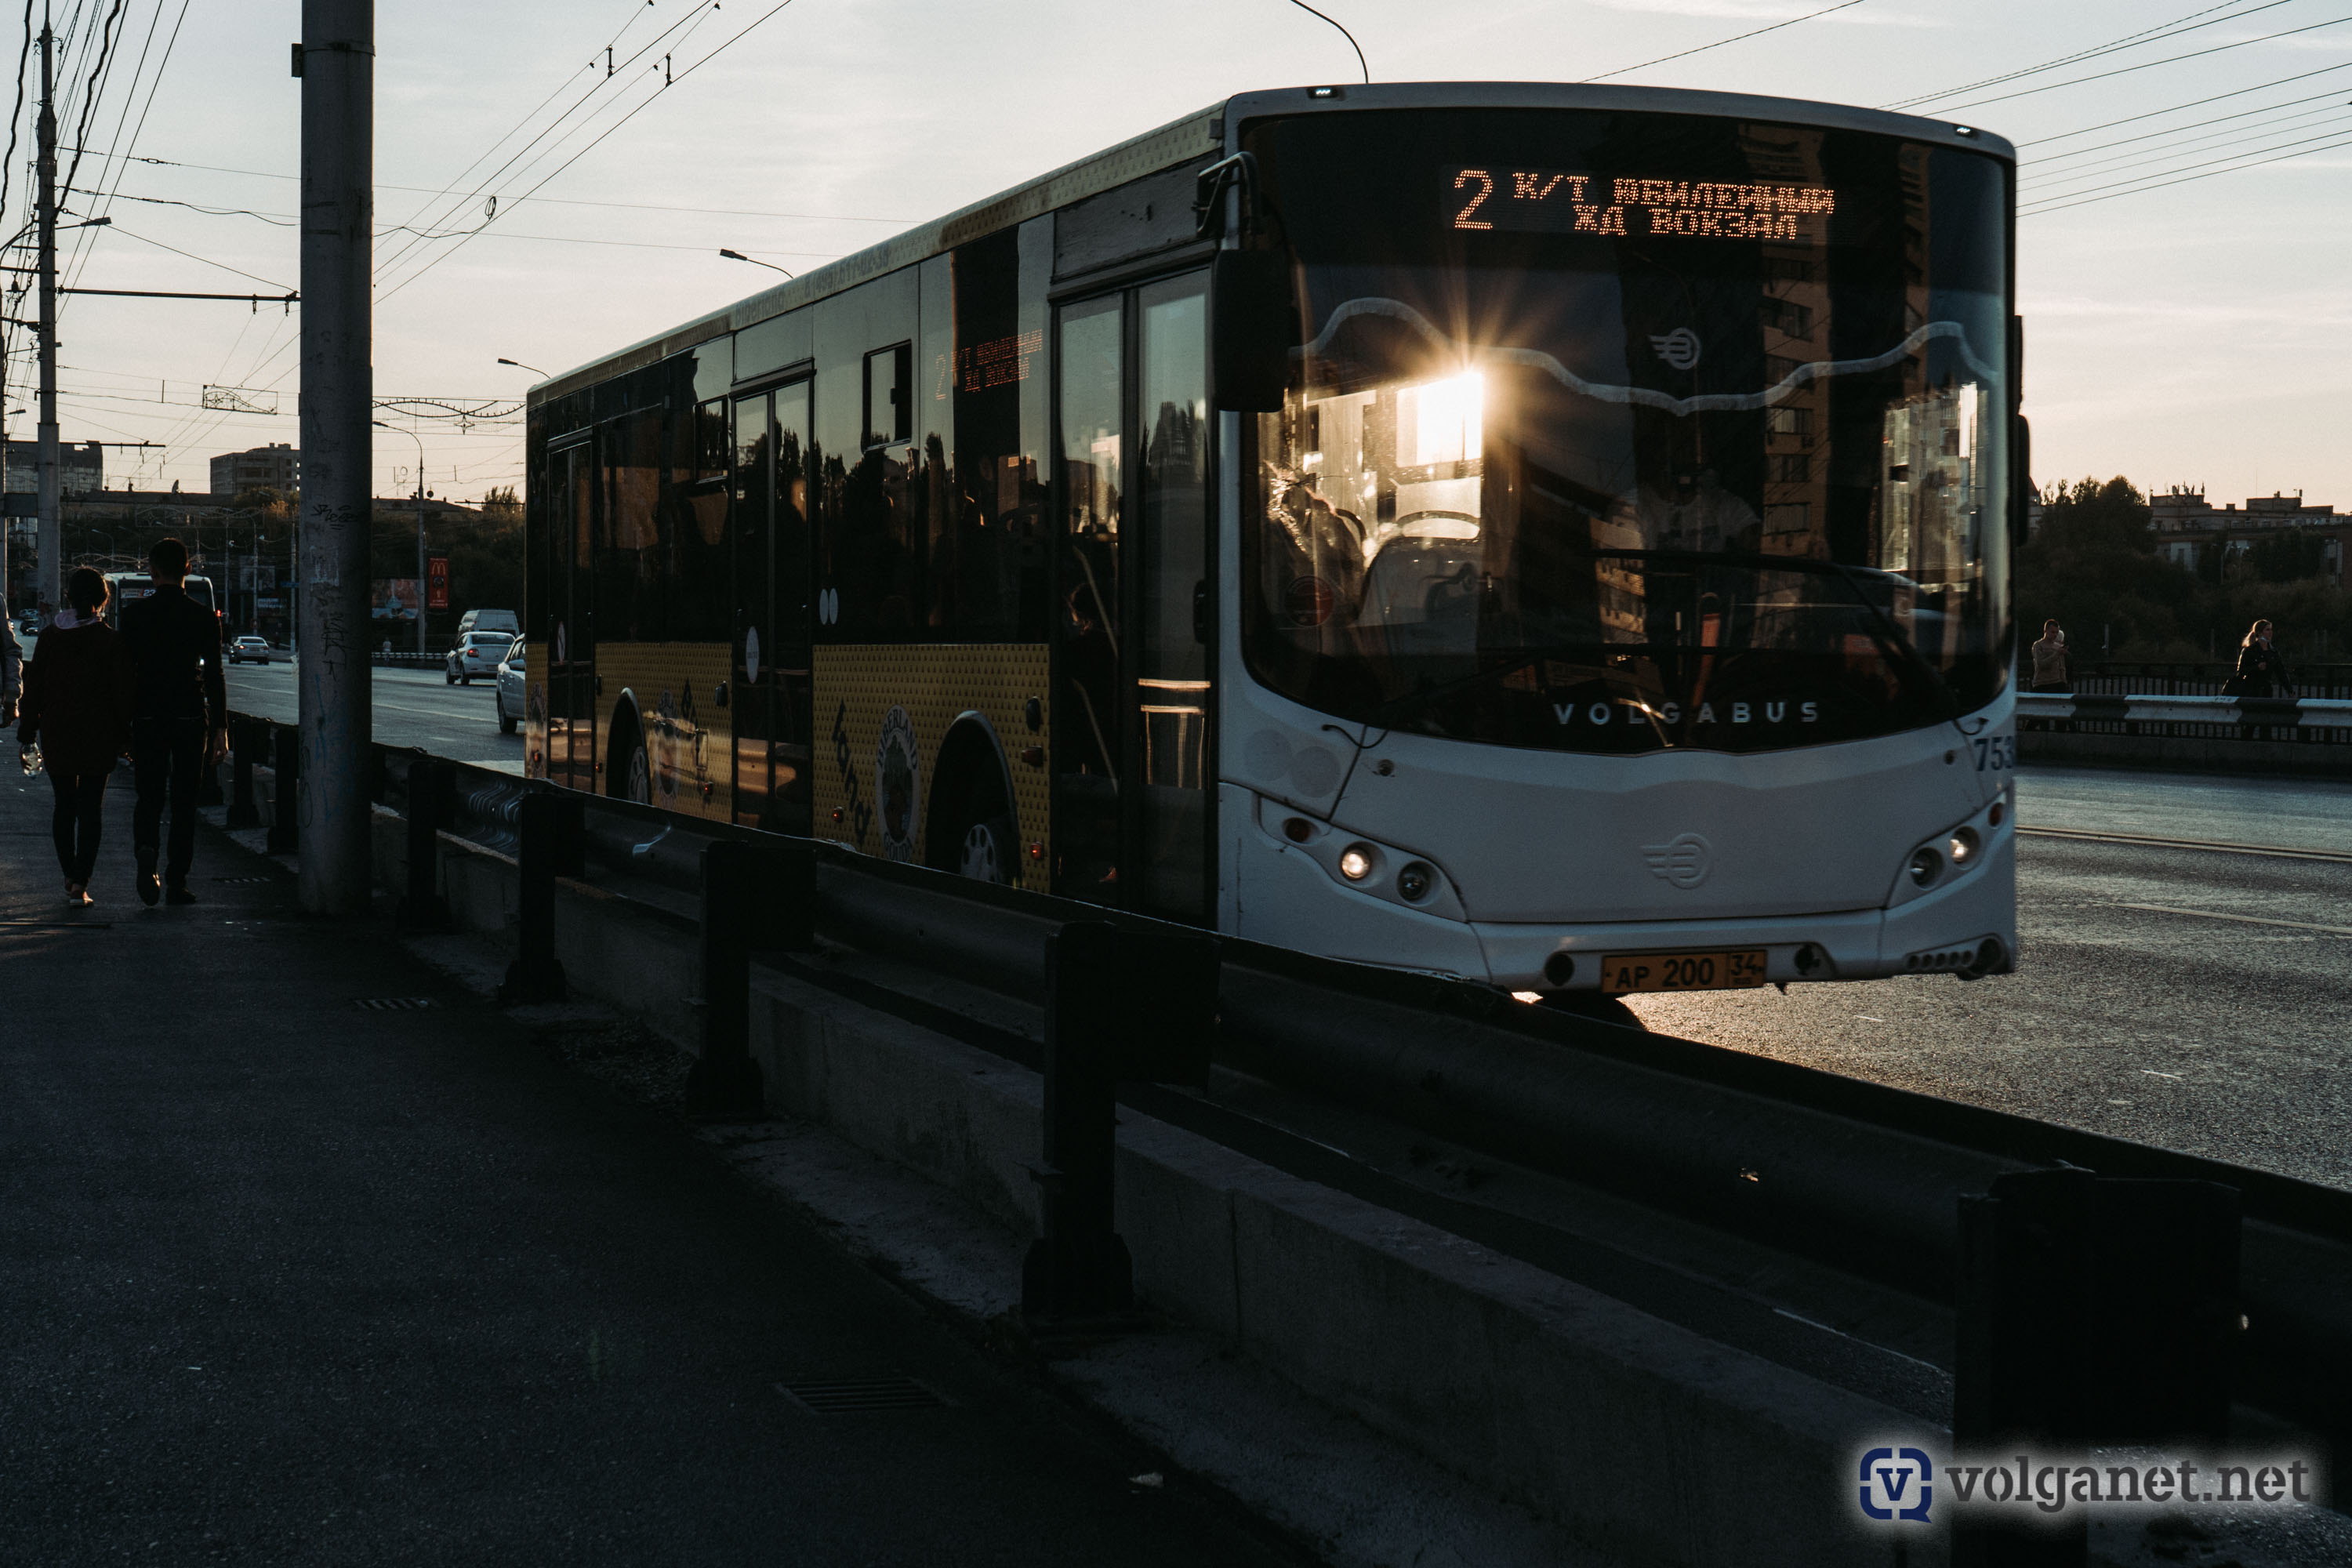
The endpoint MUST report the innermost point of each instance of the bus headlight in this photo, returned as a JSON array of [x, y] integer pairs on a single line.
[[1963, 847], [1356, 862], [1926, 867]]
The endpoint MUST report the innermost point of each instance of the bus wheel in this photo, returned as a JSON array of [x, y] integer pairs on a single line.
[[1595, 1005]]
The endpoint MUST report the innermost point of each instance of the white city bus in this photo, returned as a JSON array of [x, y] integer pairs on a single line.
[[1553, 535]]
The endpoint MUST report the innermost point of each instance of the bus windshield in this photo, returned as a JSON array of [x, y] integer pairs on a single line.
[[1622, 432]]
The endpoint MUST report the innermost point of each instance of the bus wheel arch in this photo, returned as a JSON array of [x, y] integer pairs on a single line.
[[973, 826], [628, 766]]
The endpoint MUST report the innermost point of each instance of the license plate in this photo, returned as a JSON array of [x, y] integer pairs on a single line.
[[1724, 970]]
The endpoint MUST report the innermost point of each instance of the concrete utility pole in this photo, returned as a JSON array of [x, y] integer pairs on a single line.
[[48, 576], [337, 64]]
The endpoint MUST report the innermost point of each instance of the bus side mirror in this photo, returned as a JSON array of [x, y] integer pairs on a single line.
[[2022, 494], [1251, 329]]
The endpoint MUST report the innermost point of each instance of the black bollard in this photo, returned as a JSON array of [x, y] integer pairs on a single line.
[[247, 737], [725, 1080], [424, 907], [1121, 1006], [553, 830], [285, 783], [2093, 1311]]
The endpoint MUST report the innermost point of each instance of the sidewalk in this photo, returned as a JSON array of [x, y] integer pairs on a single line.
[[293, 1279]]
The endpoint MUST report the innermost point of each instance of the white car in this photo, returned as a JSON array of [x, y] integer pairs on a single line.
[[510, 692], [256, 649], [477, 653]]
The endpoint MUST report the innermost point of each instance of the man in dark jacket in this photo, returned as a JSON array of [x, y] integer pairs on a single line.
[[179, 716]]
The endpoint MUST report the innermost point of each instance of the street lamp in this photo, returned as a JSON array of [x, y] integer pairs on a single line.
[[519, 365], [738, 256], [420, 524]]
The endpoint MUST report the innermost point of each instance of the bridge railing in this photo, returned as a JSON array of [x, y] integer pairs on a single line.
[[2325, 721], [1873, 1181]]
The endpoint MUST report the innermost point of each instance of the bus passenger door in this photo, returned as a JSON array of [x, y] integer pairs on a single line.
[[1134, 703], [1088, 746], [748, 680], [1172, 695], [791, 755], [570, 643]]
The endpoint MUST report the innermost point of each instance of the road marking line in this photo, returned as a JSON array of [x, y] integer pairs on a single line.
[[2152, 1072], [2279, 851], [2242, 920]]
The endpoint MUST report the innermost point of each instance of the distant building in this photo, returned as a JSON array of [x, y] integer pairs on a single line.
[[275, 466], [2187, 526], [81, 471]]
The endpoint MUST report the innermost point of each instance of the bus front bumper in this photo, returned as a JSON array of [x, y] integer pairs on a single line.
[[1943, 931]]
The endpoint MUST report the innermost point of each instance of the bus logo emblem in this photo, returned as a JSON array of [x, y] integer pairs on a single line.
[[1684, 861], [1678, 348], [898, 779]]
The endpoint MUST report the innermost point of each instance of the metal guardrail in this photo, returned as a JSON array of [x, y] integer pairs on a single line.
[[1869, 1180], [2308, 720], [2126, 677]]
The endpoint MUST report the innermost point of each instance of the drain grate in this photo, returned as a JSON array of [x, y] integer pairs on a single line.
[[393, 1003], [845, 1395]]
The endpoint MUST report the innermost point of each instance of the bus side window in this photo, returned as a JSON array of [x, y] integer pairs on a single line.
[[701, 580]]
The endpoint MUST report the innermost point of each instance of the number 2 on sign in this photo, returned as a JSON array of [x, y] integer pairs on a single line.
[[1996, 753], [1486, 184]]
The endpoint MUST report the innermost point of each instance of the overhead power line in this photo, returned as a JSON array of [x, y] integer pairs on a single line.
[[2237, 136], [525, 155], [2151, 64], [669, 82], [1736, 38], [2175, 109], [542, 201], [2129, 40], [2217, 120], [2182, 175]]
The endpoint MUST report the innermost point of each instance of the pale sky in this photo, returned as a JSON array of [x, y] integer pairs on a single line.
[[2200, 332]]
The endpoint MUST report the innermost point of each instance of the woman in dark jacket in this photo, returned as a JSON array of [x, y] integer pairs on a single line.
[[2261, 671], [77, 705]]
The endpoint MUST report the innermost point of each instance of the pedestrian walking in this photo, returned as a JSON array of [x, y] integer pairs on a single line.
[[179, 716], [77, 708], [12, 668], [2050, 671], [2261, 671]]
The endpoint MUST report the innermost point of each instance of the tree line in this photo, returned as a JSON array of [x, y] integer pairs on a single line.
[[2093, 565]]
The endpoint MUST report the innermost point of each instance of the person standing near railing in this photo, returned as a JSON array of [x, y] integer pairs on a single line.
[[2050, 671], [2261, 671], [77, 710]]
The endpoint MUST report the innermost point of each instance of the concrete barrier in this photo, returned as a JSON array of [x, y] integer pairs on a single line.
[[1645, 1440]]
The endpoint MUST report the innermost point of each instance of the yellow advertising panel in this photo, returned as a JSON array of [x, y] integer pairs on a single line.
[[686, 735], [882, 711]]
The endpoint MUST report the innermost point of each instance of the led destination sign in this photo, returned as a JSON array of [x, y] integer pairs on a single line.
[[1563, 201]]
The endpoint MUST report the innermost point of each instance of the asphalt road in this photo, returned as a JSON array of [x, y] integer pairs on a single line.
[[411, 708], [2194, 998], [2186, 997]]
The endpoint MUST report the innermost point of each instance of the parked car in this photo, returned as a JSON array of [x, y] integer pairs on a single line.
[[477, 653], [249, 648], [511, 694], [489, 621]]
